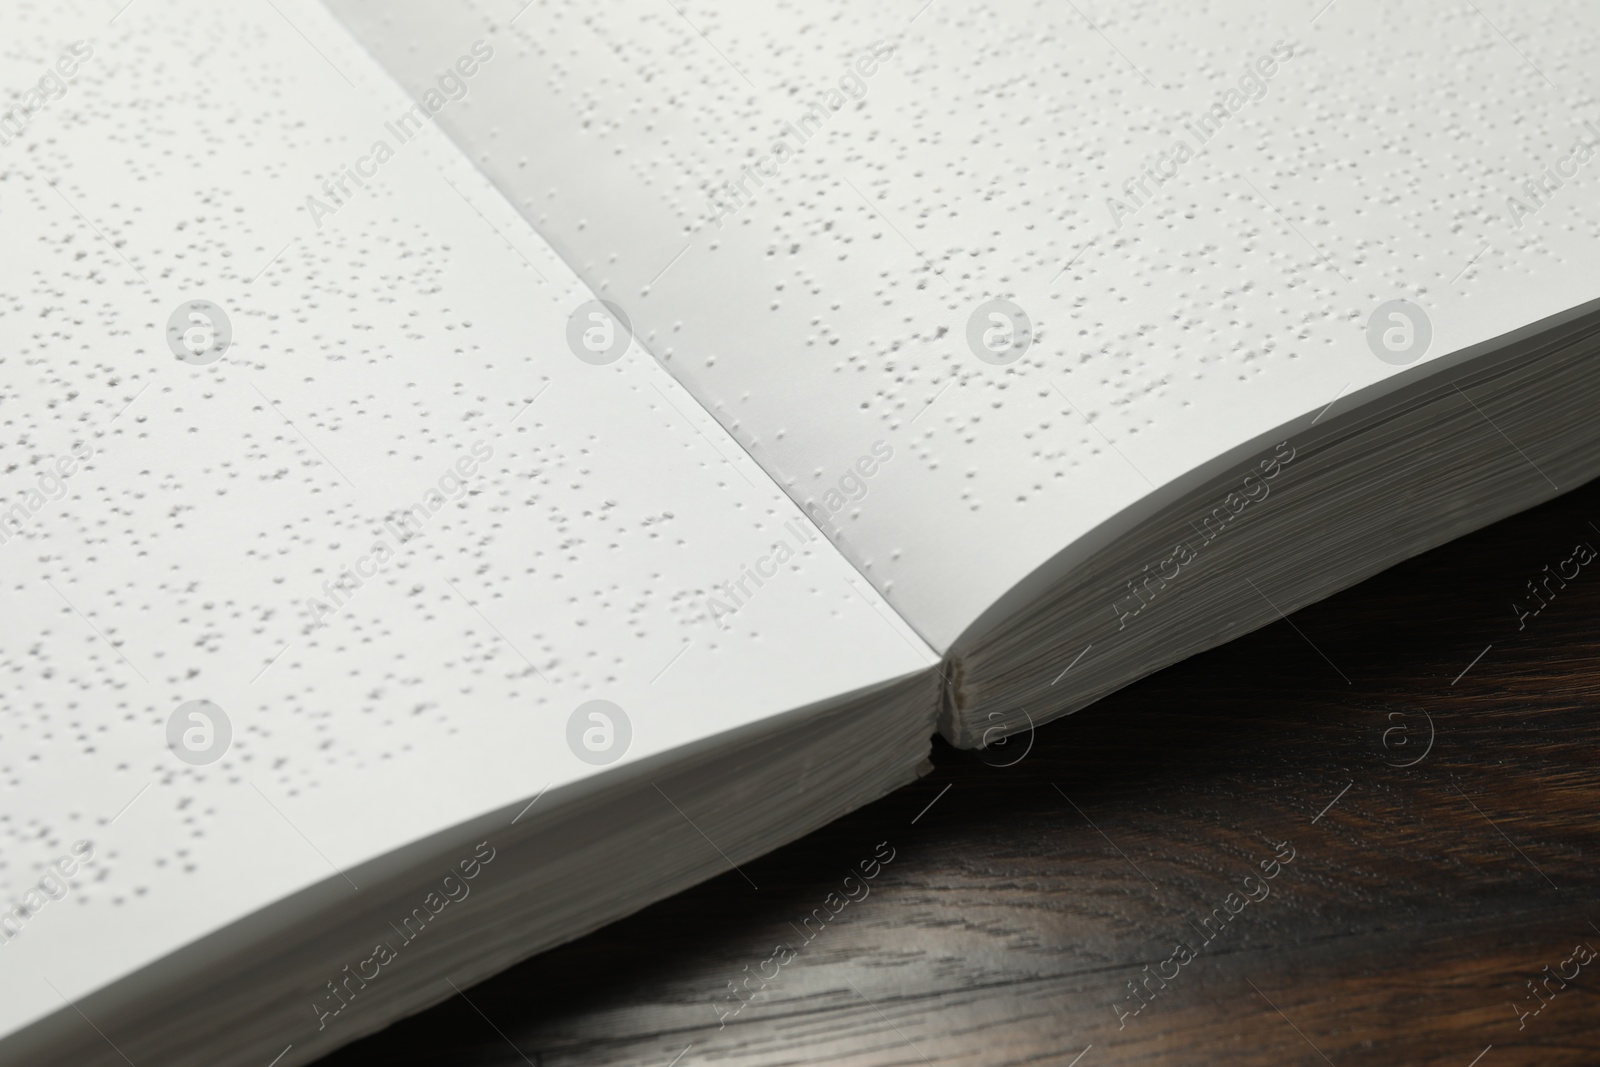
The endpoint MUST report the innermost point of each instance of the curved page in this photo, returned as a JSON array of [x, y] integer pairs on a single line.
[[317, 535], [825, 218]]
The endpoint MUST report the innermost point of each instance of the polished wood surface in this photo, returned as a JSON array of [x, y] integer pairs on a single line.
[[1436, 909]]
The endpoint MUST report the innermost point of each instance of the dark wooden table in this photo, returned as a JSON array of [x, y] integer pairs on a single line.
[[1430, 914]]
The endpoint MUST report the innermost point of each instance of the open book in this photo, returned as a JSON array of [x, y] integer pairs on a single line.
[[475, 470]]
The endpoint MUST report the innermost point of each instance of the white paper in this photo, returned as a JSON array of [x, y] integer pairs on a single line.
[[369, 357], [1355, 155]]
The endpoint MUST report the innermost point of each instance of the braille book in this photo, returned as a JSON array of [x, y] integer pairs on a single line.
[[472, 471]]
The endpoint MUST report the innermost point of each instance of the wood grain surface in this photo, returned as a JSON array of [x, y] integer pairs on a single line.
[[1422, 906]]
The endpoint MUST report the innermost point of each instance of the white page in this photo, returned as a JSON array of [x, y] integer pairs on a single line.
[[572, 562], [979, 160]]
